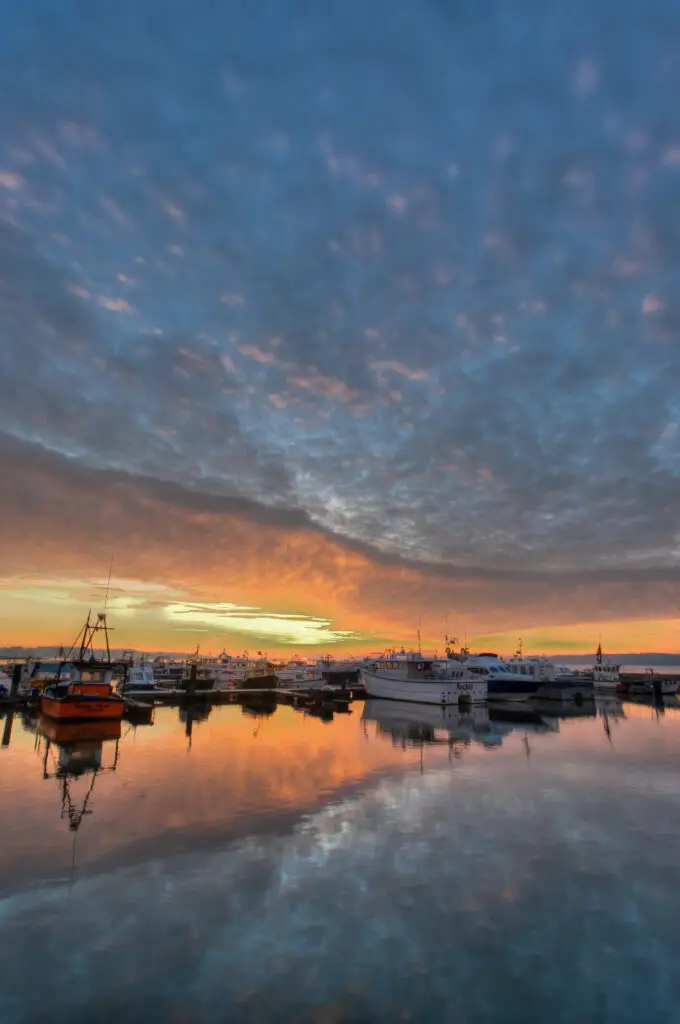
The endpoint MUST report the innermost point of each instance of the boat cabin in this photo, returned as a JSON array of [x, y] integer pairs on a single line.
[[87, 678], [603, 673]]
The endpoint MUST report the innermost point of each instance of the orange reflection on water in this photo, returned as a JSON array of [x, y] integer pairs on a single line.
[[181, 783]]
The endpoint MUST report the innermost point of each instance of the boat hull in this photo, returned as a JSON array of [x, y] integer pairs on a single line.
[[511, 689], [81, 708], [267, 682], [415, 691], [564, 692], [314, 683], [343, 677], [647, 688], [470, 692]]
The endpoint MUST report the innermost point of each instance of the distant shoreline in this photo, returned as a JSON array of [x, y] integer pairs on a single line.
[[650, 658]]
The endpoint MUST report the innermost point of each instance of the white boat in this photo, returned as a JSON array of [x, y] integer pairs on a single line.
[[503, 683], [533, 666], [605, 675], [140, 677], [299, 675], [343, 672], [36, 674], [244, 673], [411, 677]]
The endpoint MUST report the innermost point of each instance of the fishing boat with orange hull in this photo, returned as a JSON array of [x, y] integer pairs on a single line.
[[86, 694], [77, 702]]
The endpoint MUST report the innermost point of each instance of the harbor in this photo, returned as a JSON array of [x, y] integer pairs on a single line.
[[89, 681]]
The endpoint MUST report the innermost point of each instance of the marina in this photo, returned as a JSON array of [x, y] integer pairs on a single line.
[[84, 683]]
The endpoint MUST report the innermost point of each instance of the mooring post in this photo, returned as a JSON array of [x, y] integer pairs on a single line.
[[16, 679], [7, 731]]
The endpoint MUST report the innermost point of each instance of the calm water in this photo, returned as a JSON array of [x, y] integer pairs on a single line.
[[398, 863]]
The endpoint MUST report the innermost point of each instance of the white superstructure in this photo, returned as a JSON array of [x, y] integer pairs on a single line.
[[533, 666], [605, 675]]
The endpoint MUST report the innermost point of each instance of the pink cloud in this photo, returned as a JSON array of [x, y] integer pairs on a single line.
[[651, 304], [399, 368], [8, 179], [326, 387], [397, 204], [278, 401], [115, 305], [227, 363], [253, 352]]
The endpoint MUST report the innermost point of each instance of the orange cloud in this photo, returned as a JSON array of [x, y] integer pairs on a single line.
[[65, 521]]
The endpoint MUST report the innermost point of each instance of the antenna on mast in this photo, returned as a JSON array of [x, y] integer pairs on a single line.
[[108, 585]]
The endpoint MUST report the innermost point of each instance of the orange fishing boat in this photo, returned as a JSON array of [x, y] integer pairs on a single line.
[[87, 693]]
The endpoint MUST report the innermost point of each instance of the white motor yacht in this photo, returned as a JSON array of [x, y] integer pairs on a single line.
[[534, 666], [503, 682], [412, 677]]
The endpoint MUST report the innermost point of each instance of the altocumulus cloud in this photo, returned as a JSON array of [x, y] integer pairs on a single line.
[[341, 263]]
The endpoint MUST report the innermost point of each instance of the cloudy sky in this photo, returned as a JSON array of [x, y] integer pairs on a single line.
[[323, 319]]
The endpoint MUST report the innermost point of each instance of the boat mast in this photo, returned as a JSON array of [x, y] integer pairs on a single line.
[[86, 637]]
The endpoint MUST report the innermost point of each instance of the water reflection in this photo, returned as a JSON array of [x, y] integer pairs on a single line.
[[399, 860], [426, 724]]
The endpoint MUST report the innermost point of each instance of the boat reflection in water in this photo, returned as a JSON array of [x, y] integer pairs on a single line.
[[423, 724], [72, 751], [418, 724]]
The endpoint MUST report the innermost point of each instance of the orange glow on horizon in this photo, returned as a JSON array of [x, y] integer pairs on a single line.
[[145, 616]]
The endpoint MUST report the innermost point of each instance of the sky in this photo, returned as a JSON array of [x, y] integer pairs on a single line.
[[326, 321]]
